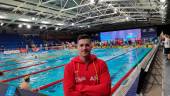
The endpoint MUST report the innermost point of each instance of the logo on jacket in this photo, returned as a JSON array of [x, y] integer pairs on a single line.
[[80, 79], [83, 78], [93, 78]]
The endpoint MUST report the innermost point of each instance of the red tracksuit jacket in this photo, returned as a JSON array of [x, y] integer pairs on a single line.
[[91, 79]]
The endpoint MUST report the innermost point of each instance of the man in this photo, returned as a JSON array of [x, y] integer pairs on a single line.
[[25, 83], [86, 75]]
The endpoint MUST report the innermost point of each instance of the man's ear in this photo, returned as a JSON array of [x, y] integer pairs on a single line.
[[92, 45]]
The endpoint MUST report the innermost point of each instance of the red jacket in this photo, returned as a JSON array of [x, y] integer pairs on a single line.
[[82, 79]]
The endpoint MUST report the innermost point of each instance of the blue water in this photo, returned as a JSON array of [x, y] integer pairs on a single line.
[[118, 66]]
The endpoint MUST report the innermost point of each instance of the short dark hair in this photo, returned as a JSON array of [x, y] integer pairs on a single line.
[[27, 79], [83, 36]]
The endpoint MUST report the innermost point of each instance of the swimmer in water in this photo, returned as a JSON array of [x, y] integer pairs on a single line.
[[36, 57], [25, 83]]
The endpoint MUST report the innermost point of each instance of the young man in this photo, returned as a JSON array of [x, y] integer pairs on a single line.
[[86, 75]]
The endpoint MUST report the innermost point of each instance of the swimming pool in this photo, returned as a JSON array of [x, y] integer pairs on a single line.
[[45, 70]]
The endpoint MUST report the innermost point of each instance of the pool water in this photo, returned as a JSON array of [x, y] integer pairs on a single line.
[[119, 62]]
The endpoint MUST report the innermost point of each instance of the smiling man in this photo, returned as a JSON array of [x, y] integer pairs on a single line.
[[86, 75]]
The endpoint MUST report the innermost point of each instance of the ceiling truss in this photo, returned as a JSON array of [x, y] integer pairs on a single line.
[[66, 13]]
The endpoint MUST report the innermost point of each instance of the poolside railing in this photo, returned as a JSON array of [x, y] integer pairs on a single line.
[[122, 87]]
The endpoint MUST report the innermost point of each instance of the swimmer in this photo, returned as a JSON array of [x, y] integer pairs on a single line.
[[25, 83], [36, 57]]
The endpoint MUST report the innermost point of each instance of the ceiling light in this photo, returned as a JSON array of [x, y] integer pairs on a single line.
[[162, 1], [92, 2], [56, 28], [109, 4], [41, 27], [28, 26], [33, 18], [72, 24], [89, 17], [101, 0], [6, 6], [2, 17], [163, 21], [115, 10], [45, 22], [24, 19], [127, 18], [163, 7], [2, 24], [20, 25], [81, 26], [60, 24]]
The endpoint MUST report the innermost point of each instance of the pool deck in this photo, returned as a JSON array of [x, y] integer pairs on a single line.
[[167, 77], [159, 84], [153, 84]]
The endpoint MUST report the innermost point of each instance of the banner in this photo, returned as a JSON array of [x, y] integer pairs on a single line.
[[12, 52]]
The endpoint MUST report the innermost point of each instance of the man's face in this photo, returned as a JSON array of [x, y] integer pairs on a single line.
[[84, 47]]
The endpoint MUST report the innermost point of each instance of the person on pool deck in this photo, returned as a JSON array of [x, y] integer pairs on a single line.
[[25, 83], [86, 75]]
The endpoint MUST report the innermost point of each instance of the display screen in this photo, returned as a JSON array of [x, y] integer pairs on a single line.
[[131, 34], [149, 33]]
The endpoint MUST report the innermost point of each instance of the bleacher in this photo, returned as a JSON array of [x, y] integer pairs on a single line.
[[14, 41], [35, 40], [52, 42], [11, 41]]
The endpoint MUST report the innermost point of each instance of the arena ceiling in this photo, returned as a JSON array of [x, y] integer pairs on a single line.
[[82, 14]]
